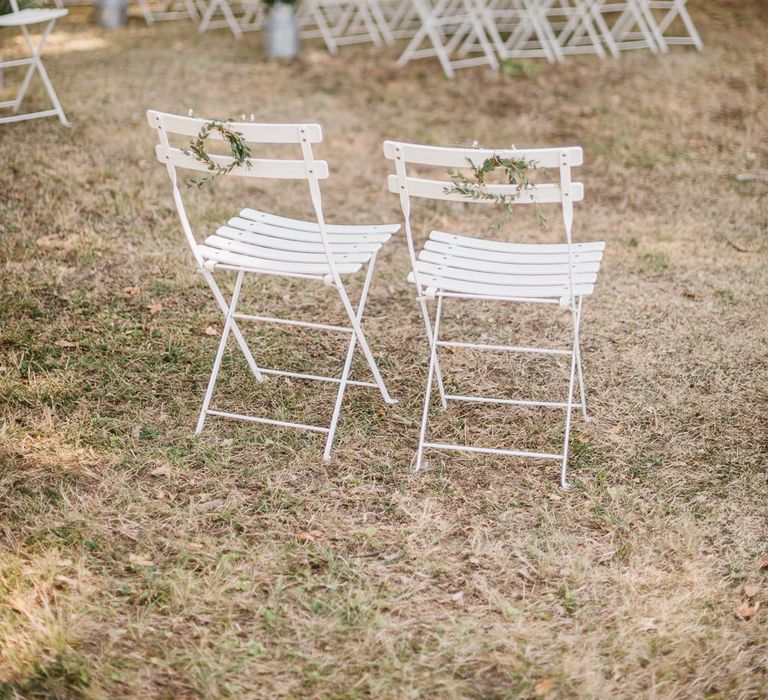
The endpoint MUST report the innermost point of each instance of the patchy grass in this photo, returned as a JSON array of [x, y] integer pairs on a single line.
[[138, 561]]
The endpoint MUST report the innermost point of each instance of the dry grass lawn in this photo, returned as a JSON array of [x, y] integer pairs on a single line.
[[138, 561]]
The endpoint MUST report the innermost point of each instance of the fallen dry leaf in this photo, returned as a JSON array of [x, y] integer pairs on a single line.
[[739, 247], [154, 308], [163, 470], [20, 605], [763, 564], [205, 506], [211, 330], [750, 590], [753, 176], [133, 291], [140, 560], [306, 537], [544, 687], [61, 343], [48, 242], [746, 610], [647, 624]]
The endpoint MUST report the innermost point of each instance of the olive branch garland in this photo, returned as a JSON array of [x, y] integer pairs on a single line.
[[241, 151], [517, 173]]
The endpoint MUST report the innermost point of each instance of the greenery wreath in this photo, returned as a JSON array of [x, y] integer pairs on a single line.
[[238, 147], [517, 172]]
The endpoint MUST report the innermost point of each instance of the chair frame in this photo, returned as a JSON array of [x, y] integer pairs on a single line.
[[35, 65], [565, 192], [251, 17], [312, 170], [469, 29], [169, 10], [344, 22]]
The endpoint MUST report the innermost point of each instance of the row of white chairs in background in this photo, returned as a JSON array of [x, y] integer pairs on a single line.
[[459, 33], [463, 33], [449, 267]]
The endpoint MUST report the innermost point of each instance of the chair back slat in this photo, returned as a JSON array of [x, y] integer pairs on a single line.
[[252, 133], [439, 189], [257, 167], [460, 157]]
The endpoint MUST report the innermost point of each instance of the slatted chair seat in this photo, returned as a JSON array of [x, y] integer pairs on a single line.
[[31, 16], [258, 241], [449, 262]]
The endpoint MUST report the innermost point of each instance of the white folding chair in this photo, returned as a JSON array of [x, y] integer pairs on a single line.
[[261, 243], [246, 16], [630, 25], [664, 13], [165, 10], [523, 29], [463, 267], [577, 29], [344, 22], [401, 18], [22, 20], [449, 28]]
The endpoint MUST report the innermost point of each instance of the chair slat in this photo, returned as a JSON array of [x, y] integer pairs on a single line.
[[509, 258], [436, 189], [255, 251], [252, 133], [308, 236], [506, 268], [501, 290], [274, 266], [297, 246], [259, 167], [459, 157], [297, 224], [449, 272], [504, 247]]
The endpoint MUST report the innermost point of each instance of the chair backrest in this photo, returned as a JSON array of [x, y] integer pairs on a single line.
[[306, 168], [558, 162]]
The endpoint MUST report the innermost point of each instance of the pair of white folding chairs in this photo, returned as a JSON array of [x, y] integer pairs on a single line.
[[464, 33], [24, 21], [450, 266]]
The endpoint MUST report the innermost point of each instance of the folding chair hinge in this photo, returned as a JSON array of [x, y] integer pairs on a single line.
[[329, 281], [209, 266]]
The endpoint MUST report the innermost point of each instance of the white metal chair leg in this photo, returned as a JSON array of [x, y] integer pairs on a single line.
[[358, 331], [44, 73], [689, 25], [605, 32], [348, 363], [222, 302], [582, 390], [428, 390], [220, 353], [438, 372], [569, 409]]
